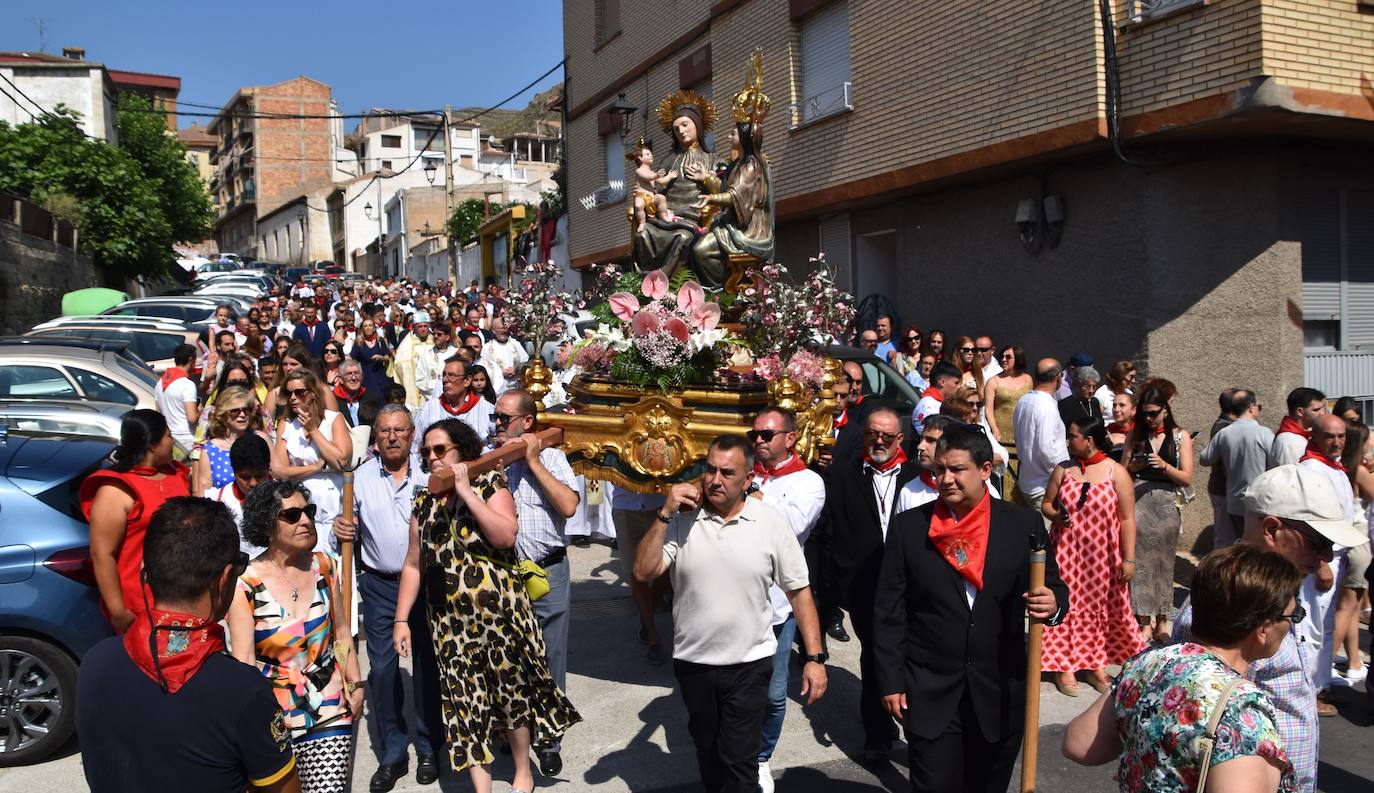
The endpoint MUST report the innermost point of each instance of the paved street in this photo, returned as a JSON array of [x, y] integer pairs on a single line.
[[634, 734]]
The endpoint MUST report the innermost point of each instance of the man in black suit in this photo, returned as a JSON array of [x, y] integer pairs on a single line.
[[952, 597], [860, 501]]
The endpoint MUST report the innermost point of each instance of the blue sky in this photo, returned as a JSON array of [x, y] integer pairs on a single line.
[[407, 55]]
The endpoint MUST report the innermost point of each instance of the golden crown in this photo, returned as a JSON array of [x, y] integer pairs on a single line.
[[677, 100], [751, 105]]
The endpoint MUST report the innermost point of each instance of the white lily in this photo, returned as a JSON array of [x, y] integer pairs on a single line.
[[706, 339]]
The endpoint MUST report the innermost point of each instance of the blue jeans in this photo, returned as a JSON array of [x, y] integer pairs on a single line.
[[384, 674], [777, 687], [552, 612]]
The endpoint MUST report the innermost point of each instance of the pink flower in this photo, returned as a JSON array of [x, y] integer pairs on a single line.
[[676, 328], [690, 296], [645, 323], [623, 305], [706, 316], [655, 286]]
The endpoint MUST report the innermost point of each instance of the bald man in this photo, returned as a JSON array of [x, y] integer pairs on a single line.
[[1040, 443]]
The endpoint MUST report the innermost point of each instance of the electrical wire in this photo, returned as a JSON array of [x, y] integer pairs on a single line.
[[42, 110], [1112, 74]]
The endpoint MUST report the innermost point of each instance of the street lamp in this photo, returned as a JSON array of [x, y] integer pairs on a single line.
[[367, 210], [625, 111], [430, 168]]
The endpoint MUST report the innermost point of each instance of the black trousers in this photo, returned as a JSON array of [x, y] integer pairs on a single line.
[[726, 706], [879, 729], [961, 760]]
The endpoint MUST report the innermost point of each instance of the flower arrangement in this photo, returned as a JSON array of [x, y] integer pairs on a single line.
[[535, 304], [782, 319]]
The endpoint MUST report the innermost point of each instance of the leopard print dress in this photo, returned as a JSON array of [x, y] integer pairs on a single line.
[[493, 672]]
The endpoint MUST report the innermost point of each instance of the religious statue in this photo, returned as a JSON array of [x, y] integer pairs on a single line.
[[700, 211]]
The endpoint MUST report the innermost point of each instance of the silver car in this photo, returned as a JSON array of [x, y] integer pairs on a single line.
[[88, 419], [48, 369]]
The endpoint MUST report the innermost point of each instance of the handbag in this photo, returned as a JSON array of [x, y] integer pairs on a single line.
[[1209, 739]]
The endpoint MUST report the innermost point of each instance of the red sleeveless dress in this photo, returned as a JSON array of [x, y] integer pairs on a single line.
[[148, 495]]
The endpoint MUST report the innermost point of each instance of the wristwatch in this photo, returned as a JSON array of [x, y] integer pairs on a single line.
[[664, 518], [819, 658]]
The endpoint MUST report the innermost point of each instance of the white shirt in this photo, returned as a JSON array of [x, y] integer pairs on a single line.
[[799, 496], [172, 402], [991, 370], [479, 417], [1104, 398], [1286, 449], [429, 365], [885, 492], [1040, 443], [927, 407], [721, 571], [383, 507], [498, 356], [914, 494], [225, 495]]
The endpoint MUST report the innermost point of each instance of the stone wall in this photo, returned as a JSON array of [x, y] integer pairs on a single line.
[[34, 275]]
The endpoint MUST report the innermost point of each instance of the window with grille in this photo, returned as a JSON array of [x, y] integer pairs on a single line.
[[607, 19], [825, 85], [1337, 268]]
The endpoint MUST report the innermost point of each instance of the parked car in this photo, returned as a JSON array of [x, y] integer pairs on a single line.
[[260, 280], [192, 309], [85, 370], [332, 271], [212, 268], [294, 274], [352, 279], [89, 419], [882, 384], [246, 292], [49, 606], [154, 340]]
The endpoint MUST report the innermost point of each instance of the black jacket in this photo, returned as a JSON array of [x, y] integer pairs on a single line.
[[848, 535], [931, 646]]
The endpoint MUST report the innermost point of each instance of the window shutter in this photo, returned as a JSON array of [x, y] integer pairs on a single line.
[[825, 60], [1358, 310], [835, 244], [1320, 221]]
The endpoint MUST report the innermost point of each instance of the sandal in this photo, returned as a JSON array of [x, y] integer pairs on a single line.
[[1067, 690], [1164, 633], [1101, 684]]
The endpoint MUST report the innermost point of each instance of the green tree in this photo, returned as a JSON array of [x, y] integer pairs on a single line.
[[469, 216], [185, 200]]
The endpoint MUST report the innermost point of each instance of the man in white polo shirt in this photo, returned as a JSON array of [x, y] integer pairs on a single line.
[[722, 556]]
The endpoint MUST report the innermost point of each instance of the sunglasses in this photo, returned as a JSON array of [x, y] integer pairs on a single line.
[[240, 564], [965, 349], [975, 404], [1299, 614], [331, 351], [293, 514], [502, 419], [243, 411], [913, 338], [982, 349], [886, 437], [766, 436], [439, 450], [1149, 414], [298, 393], [868, 342]]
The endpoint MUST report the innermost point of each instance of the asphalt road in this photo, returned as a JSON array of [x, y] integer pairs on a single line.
[[634, 734]]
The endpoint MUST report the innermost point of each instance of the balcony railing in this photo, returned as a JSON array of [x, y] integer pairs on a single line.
[[821, 105], [1149, 9], [612, 193]]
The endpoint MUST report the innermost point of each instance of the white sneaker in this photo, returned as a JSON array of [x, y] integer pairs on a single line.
[[1357, 675], [765, 778], [1339, 680]]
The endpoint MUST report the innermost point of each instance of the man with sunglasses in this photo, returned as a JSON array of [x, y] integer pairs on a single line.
[[860, 501], [984, 354], [163, 707], [1323, 457], [545, 491], [784, 482], [1297, 513]]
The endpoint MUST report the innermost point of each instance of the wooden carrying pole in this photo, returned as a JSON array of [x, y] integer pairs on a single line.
[[346, 552], [1031, 743], [441, 480]]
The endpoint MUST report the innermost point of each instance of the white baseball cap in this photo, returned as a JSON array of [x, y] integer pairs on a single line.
[[1296, 493]]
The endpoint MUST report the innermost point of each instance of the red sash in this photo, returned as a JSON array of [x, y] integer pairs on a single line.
[[929, 479], [468, 403], [1097, 457], [963, 543], [791, 466], [841, 419], [342, 393]]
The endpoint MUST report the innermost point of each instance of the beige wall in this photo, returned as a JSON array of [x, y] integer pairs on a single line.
[[1195, 53], [1322, 44]]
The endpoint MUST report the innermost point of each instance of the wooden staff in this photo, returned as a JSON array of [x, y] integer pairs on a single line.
[[441, 479], [1029, 750], [346, 552]]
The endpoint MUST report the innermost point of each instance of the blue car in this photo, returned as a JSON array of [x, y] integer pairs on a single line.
[[49, 606]]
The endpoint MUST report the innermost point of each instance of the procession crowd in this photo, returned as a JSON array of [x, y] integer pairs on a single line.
[[218, 535]]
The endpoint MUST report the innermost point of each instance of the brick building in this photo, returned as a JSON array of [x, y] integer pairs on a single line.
[[262, 162], [908, 138]]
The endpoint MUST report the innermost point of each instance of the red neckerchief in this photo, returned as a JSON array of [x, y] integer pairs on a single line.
[[342, 393], [1158, 430], [1121, 429], [468, 402], [170, 469], [239, 494], [841, 419], [963, 543], [1290, 424], [310, 325], [792, 465], [1097, 457], [172, 375], [180, 652], [1313, 453], [934, 393], [472, 328], [856, 401], [892, 462], [929, 479]]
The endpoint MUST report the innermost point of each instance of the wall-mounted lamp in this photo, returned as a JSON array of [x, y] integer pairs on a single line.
[[367, 210], [1040, 221], [621, 111], [430, 169]]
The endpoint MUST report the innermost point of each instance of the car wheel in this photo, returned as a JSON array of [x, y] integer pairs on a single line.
[[37, 699]]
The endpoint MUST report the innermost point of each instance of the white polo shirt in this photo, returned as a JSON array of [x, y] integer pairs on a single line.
[[721, 571]]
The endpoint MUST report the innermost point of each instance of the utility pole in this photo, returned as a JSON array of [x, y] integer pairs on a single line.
[[448, 202]]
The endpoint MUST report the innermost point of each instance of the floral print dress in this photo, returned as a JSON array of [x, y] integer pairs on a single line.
[[1163, 700]]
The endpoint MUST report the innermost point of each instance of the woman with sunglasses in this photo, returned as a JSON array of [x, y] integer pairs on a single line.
[[1092, 519], [333, 356], [296, 358], [492, 666], [1003, 390], [963, 357], [1155, 716], [1159, 456], [236, 413], [907, 357], [286, 620], [119, 502], [313, 445]]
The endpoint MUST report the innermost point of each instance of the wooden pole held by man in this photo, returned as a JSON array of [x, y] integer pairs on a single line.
[[1031, 742]]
